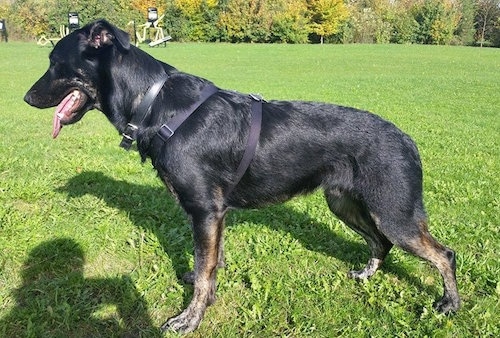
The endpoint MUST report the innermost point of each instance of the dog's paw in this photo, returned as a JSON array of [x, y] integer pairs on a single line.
[[183, 323], [357, 275], [360, 275], [447, 305], [368, 271]]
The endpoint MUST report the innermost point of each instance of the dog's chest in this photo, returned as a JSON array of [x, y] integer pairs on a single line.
[[168, 183]]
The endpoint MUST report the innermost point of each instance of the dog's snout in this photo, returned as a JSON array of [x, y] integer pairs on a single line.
[[31, 99], [34, 99], [28, 98]]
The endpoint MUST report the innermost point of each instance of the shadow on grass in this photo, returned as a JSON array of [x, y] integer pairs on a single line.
[[156, 211], [55, 300]]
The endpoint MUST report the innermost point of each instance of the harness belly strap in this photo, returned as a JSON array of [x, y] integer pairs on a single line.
[[253, 139]]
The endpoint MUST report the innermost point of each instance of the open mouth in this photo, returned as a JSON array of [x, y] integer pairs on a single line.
[[69, 110]]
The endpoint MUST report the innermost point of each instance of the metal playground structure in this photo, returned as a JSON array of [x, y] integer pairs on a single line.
[[151, 30]]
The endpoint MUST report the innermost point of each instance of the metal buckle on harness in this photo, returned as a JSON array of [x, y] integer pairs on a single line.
[[256, 97], [165, 132], [129, 136]]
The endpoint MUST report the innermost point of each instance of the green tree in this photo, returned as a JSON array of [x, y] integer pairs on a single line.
[[192, 20], [264, 21], [437, 21], [33, 16], [487, 16], [36, 17], [495, 34], [326, 16], [289, 22], [372, 21], [465, 30], [404, 27], [246, 21], [88, 10], [367, 24]]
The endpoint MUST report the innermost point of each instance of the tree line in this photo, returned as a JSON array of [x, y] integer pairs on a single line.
[[461, 22]]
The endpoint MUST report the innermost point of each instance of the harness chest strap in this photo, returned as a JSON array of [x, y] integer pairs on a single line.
[[168, 129], [140, 114]]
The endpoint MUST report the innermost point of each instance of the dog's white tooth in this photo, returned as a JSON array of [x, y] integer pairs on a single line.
[[60, 115]]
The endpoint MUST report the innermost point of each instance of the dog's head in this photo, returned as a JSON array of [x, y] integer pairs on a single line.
[[76, 64]]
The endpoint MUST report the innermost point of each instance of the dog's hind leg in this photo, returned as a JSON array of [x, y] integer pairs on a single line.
[[207, 235], [415, 238], [355, 215]]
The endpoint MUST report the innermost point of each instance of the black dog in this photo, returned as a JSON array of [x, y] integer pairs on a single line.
[[369, 170]]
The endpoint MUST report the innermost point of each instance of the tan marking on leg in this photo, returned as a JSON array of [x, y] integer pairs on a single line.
[[444, 259]]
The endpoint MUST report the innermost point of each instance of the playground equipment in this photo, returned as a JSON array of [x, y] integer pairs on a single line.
[[73, 23], [151, 28], [63, 31], [3, 31]]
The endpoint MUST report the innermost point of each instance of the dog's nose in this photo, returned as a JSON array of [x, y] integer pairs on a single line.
[[31, 99], [27, 98]]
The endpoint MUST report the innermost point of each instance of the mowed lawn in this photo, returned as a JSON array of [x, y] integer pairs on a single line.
[[92, 245]]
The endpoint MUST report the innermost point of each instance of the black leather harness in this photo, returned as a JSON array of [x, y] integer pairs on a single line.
[[168, 129]]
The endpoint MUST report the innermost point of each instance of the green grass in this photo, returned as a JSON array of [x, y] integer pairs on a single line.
[[92, 245]]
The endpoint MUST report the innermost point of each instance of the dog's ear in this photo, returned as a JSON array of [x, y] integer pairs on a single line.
[[103, 34]]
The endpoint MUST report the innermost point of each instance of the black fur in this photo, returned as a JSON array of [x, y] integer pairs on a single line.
[[369, 170]]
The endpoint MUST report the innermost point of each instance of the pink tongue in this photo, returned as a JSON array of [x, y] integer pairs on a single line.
[[61, 109]]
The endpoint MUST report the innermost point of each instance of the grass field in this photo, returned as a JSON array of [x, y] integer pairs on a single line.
[[92, 245]]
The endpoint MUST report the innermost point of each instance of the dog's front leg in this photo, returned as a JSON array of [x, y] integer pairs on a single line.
[[207, 234]]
